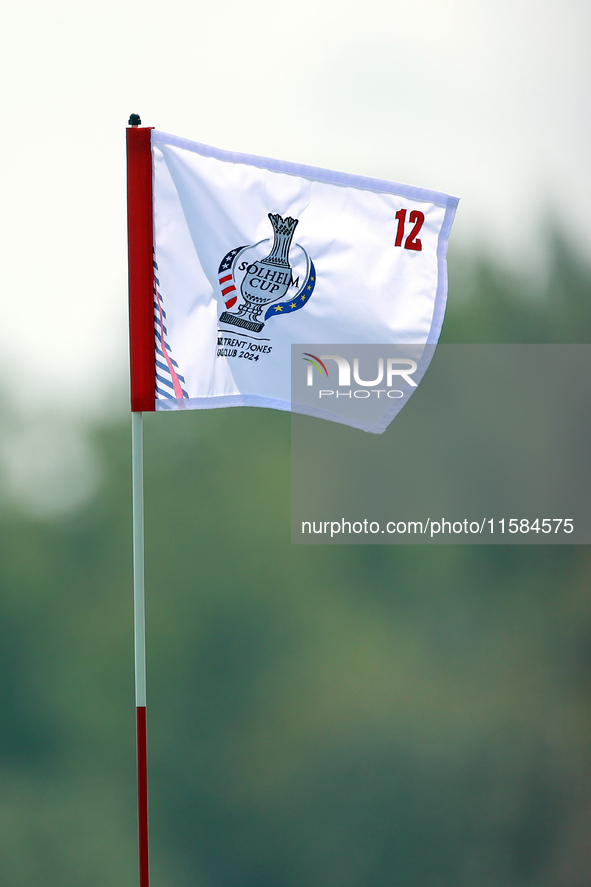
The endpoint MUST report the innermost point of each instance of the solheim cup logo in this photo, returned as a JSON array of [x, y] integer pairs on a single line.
[[266, 281]]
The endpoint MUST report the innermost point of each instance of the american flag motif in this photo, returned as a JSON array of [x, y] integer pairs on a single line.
[[227, 277], [169, 381]]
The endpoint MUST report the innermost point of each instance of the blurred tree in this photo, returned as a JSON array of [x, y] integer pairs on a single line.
[[348, 716]]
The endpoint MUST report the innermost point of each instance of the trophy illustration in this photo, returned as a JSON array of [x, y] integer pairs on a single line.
[[265, 281]]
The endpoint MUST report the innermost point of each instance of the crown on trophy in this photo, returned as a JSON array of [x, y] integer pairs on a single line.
[[283, 230]]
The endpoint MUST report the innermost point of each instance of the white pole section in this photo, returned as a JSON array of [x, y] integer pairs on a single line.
[[137, 469], [139, 619]]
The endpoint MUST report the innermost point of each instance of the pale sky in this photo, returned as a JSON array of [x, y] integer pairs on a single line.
[[484, 100]]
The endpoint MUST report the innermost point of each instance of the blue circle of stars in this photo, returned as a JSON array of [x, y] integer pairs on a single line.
[[297, 302]]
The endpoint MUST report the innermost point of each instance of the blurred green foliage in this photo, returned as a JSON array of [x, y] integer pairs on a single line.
[[351, 716]]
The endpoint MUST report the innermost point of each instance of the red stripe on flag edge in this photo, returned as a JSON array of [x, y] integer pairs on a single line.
[[178, 391], [227, 290], [226, 278], [140, 241]]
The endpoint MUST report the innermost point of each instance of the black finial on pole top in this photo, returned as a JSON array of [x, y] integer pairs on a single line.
[[135, 120]]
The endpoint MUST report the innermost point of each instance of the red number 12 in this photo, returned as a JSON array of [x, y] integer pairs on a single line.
[[412, 241]]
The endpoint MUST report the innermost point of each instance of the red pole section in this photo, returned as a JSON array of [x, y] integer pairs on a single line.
[[140, 241], [142, 796]]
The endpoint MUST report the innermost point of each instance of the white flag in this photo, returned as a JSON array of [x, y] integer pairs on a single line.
[[253, 255]]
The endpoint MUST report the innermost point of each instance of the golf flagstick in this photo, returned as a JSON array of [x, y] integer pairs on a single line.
[[143, 380]]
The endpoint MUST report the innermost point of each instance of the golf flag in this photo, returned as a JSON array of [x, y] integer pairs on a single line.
[[250, 256]]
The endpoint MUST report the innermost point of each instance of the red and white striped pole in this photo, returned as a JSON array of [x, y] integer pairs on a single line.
[[140, 643], [143, 382]]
